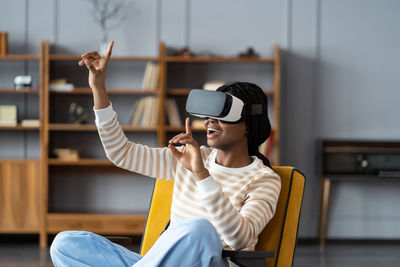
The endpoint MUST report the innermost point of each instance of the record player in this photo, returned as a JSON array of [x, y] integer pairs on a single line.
[[371, 158]]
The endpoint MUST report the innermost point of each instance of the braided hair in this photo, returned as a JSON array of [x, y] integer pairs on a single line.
[[258, 126]]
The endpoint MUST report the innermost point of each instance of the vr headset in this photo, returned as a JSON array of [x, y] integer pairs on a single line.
[[219, 105]]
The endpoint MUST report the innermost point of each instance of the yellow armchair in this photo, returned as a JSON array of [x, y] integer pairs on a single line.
[[278, 238]]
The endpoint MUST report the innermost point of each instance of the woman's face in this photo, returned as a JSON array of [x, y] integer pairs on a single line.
[[224, 136]]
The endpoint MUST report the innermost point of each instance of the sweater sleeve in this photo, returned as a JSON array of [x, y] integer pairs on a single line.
[[153, 162], [239, 228]]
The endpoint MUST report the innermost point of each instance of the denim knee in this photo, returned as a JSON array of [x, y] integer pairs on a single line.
[[199, 229], [64, 241]]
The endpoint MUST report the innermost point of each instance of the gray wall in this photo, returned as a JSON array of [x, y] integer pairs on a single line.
[[339, 79]]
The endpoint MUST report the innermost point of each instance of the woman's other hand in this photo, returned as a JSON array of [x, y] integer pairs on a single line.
[[190, 156]]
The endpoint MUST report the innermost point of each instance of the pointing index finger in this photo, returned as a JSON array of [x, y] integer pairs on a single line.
[[188, 127], [109, 49]]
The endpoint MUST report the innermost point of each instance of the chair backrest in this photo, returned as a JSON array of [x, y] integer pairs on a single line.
[[159, 213], [279, 235]]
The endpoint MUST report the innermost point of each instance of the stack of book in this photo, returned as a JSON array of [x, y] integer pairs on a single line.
[[8, 115], [151, 76], [3, 43], [145, 112], [66, 154], [173, 116], [30, 122], [61, 85]]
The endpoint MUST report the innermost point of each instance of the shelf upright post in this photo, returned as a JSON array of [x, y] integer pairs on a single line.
[[277, 84], [161, 135], [44, 139]]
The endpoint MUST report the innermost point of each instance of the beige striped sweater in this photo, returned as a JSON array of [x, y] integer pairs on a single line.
[[239, 202]]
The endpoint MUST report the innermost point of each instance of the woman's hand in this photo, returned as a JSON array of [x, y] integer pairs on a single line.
[[190, 157], [97, 66]]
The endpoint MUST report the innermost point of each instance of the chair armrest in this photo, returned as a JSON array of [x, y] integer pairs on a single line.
[[247, 254], [244, 258]]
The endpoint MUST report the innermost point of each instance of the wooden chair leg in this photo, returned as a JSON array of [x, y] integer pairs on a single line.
[[326, 186]]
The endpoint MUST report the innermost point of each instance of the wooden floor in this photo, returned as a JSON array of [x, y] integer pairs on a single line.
[[343, 255]]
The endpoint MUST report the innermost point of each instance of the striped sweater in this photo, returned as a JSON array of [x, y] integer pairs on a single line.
[[239, 202]]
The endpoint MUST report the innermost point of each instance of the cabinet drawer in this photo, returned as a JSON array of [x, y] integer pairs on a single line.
[[19, 196]]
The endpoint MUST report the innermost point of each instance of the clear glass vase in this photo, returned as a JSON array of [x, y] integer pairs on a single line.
[[104, 43]]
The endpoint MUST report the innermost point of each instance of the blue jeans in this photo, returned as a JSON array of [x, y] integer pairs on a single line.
[[192, 242]]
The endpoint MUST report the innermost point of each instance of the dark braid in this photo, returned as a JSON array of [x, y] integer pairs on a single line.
[[258, 127]]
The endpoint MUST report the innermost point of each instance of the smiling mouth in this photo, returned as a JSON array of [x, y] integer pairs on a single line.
[[213, 132]]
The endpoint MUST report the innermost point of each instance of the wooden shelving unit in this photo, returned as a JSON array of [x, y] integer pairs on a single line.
[[19, 91], [218, 59], [20, 127], [23, 57], [20, 178], [112, 224], [111, 91], [125, 224], [81, 162], [92, 127], [113, 58], [185, 92]]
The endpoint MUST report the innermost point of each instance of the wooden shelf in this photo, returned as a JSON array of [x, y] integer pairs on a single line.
[[19, 160], [218, 59], [81, 162], [124, 224], [185, 92], [111, 91], [19, 127], [61, 57], [92, 127], [178, 92], [16, 230], [19, 91], [131, 128], [170, 128], [20, 57]]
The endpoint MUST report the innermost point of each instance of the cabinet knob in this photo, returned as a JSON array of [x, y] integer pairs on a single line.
[[364, 163]]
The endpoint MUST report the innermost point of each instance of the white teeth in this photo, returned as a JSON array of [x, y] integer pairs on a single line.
[[214, 130]]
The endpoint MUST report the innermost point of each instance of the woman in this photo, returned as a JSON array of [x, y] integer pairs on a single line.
[[224, 194]]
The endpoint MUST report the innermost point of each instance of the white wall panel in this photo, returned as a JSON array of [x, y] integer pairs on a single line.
[[340, 79], [228, 27], [359, 73], [77, 32], [298, 131], [12, 20], [174, 23]]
